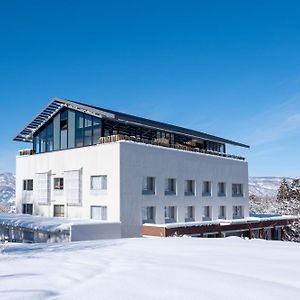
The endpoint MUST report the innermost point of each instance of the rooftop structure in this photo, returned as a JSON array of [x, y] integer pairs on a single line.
[[49, 129]]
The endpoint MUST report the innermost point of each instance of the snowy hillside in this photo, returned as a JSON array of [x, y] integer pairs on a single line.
[[152, 268], [7, 188], [265, 186]]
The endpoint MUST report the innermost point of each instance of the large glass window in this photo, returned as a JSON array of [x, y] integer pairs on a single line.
[[36, 144], [64, 129], [88, 129], [79, 129], [43, 138], [96, 130], [49, 137]]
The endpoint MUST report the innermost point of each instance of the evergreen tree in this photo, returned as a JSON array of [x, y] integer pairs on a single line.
[[283, 192], [295, 189]]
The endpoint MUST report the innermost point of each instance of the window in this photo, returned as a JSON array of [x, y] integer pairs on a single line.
[[206, 213], [58, 183], [149, 185], [87, 129], [221, 189], [170, 187], [64, 129], [73, 187], [190, 214], [28, 185], [99, 213], [99, 183], [238, 212], [148, 214], [96, 130], [222, 212], [42, 188], [59, 211], [189, 187], [27, 209], [216, 147], [206, 188], [88, 126], [79, 129], [170, 214], [237, 190], [43, 139]]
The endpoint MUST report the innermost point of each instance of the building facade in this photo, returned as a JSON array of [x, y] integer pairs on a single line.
[[92, 163]]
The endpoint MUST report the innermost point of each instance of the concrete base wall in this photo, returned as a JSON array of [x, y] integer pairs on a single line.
[[86, 232]]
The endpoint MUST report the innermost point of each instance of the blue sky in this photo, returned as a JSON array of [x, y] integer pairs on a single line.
[[229, 68]]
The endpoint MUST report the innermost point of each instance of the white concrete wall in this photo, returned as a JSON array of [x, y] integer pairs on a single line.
[[139, 160], [93, 160], [130, 162]]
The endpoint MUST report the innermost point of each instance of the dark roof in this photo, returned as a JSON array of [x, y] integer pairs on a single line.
[[56, 104]]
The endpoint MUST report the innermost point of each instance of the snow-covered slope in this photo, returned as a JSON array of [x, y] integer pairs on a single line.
[[152, 268], [7, 188], [265, 186]]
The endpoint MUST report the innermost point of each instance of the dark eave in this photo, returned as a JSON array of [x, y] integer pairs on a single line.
[[57, 103]]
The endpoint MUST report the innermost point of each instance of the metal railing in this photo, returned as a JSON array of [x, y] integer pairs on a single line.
[[164, 143]]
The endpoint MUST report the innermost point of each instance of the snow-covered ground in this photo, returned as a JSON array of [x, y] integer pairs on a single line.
[[151, 268]]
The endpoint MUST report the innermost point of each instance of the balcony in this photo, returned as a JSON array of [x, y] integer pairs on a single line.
[[165, 143], [162, 142]]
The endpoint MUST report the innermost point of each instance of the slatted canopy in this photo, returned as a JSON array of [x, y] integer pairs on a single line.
[[26, 134]]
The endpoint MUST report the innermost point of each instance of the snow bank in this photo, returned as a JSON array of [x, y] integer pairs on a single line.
[[42, 223], [152, 269]]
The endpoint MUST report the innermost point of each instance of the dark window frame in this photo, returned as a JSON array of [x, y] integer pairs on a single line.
[[27, 208], [28, 185], [58, 183]]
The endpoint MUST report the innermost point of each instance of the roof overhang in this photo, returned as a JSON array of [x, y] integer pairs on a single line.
[[53, 107], [26, 134]]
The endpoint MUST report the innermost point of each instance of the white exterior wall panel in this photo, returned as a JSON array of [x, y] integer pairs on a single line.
[[138, 161], [126, 164], [93, 160]]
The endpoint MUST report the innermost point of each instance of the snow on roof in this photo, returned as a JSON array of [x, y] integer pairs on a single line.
[[223, 222], [53, 224]]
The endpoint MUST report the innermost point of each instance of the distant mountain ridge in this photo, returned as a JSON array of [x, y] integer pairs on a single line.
[[7, 188], [265, 186]]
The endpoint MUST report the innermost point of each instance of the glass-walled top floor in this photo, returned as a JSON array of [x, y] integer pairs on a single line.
[[71, 129]]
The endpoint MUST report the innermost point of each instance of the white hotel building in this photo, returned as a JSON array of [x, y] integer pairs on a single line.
[[88, 162]]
